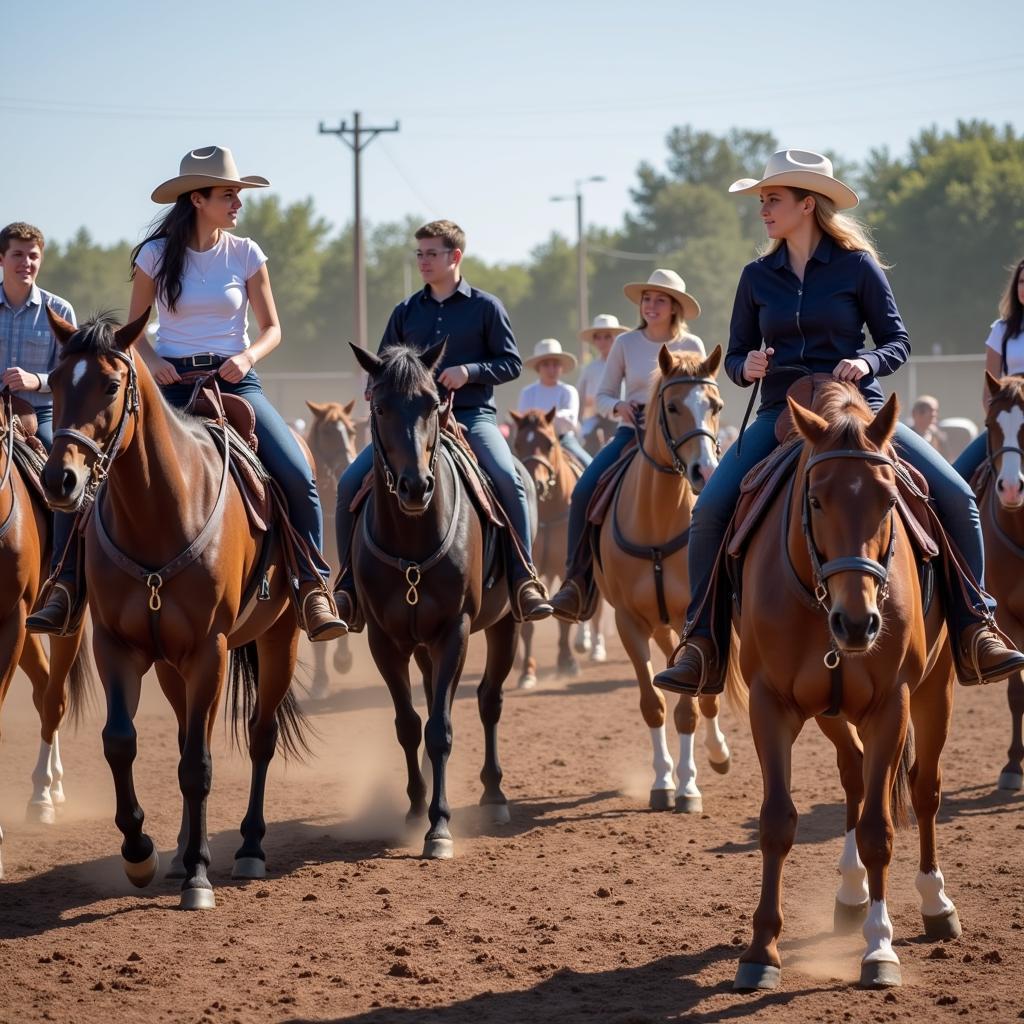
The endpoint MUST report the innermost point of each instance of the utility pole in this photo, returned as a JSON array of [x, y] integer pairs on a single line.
[[362, 136]]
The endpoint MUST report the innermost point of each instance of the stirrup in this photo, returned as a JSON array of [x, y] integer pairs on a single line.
[[328, 630], [72, 617], [517, 604]]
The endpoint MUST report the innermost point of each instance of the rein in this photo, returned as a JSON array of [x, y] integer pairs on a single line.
[[678, 467], [9, 464]]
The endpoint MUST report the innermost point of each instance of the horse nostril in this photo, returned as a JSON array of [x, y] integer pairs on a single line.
[[69, 480], [837, 624], [403, 486], [874, 624]]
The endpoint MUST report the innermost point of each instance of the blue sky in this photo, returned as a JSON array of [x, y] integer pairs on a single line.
[[501, 105]]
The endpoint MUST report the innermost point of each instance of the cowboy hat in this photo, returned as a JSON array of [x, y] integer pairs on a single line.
[[603, 322], [800, 168], [551, 348], [669, 282], [211, 165]]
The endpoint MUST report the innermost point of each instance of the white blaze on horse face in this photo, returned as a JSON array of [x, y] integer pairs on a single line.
[[699, 405], [1009, 487], [78, 372]]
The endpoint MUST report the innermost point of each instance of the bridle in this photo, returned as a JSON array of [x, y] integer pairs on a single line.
[[8, 400], [993, 455], [678, 467], [440, 410]]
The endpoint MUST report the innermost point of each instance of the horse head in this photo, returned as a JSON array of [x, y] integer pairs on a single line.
[[405, 420], [95, 399], [1005, 424], [536, 445], [332, 437], [848, 501]]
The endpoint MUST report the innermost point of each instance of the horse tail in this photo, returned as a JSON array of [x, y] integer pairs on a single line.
[[736, 691], [901, 803], [83, 682]]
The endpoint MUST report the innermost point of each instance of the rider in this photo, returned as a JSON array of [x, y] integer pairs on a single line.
[[202, 280], [808, 298], [665, 308], [480, 353], [601, 333]]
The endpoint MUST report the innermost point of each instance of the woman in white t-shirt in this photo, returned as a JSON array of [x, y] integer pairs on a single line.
[[601, 334], [549, 392], [1004, 356]]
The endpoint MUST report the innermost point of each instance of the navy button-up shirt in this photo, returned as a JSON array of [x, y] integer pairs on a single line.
[[818, 322], [479, 338]]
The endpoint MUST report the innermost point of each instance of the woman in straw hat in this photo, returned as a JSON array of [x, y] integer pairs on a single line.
[[601, 334], [202, 280], [808, 298], [665, 308]]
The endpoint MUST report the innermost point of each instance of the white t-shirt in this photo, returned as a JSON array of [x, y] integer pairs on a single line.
[[211, 311], [1014, 347], [563, 397]]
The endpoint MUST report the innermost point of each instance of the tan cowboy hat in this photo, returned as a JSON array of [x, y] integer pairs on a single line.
[[669, 282], [603, 322], [211, 165], [800, 168], [551, 348]]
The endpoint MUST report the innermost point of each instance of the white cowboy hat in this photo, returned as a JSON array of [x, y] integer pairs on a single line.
[[551, 348], [603, 322], [800, 168], [211, 165], [669, 282]]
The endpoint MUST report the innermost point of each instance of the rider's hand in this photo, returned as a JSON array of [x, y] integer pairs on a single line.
[[851, 370], [18, 379], [234, 369], [626, 412], [163, 372], [756, 364], [454, 377]]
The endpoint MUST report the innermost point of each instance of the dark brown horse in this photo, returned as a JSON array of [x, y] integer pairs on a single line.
[[833, 621], [177, 577]]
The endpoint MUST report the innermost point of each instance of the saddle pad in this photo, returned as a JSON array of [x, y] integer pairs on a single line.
[[30, 458], [608, 484], [250, 475], [26, 416]]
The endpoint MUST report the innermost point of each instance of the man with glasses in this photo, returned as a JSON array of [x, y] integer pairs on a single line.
[[481, 352]]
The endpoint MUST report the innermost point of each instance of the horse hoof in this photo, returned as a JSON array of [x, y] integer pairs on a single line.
[[342, 662], [942, 926], [569, 668], [141, 874], [318, 691], [599, 655], [249, 867], [527, 682], [57, 795], [880, 974], [581, 646], [721, 767], [197, 899], [438, 849], [752, 977], [40, 813], [661, 799], [1011, 781], [177, 868], [686, 804], [847, 919], [498, 814]]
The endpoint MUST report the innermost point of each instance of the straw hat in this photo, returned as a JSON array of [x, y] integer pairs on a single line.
[[669, 282], [800, 168], [603, 322], [551, 348], [211, 165]]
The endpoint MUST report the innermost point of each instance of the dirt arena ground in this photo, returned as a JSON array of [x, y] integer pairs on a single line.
[[588, 907]]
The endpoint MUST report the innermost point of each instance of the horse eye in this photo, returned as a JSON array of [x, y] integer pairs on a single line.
[[814, 503], [113, 387], [672, 408]]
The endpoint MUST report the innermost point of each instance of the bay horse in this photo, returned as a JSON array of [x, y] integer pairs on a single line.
[[1001, 505], [419, 558], [59, 681], [332, 440], [833, 623], [599, 434], [641, 567], [177, 577], [536, 445]]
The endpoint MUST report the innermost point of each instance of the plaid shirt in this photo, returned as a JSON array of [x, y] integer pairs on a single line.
[[27, 341]]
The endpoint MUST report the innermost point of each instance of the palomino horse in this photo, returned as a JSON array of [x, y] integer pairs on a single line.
[[641, 568], [24, 562], [1001, 504], [332, 440], [833, 622], [419, 560], [554, 476], [177, 577]]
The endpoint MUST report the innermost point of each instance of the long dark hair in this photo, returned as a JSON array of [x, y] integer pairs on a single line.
[[178, 227], [1011, 312]]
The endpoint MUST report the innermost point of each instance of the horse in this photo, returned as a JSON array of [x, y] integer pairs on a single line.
[[177, 577], [554, 476], [422, 573], [331, 439], [641, 565], [1001, 505], [599, 434], [59, 683], [834, 623]]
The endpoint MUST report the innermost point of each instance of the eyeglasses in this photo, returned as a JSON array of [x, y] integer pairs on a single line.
[[429, 254]]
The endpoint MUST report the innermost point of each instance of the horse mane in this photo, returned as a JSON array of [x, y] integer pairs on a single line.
[[843, 407], [537, 419], [96, 335], [403, 372], [1011, 391], [687, 363]]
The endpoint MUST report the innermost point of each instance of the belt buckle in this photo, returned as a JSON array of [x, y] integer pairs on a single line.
[[206, 359]]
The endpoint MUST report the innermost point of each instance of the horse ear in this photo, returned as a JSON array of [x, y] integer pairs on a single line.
[[62, 330], [665, 360], [367, 360], [993, 385], [316, 408], [347, 409], [549, 416], [712, 363], [125, 337], [433, 356], [517, 417], [883, 426], [809, 424]]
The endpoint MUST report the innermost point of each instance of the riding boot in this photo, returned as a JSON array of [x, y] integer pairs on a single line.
[[348, 606], [319, 615], [528, 596], [982, 655], [61, 612], [698, 670], [576, 600]]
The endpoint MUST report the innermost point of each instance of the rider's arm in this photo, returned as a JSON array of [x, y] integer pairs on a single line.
[[567, 418], [994, 365], [609, 393], [892, 343], [261, 298], [143, 298]]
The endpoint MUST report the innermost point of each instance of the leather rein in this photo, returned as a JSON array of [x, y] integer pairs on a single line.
[[678, 467], [7, 477]]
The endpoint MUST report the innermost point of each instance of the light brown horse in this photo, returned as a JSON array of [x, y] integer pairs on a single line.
[[1001, 505], [58, 682], [643, 537], [177, 577], [833, 620]]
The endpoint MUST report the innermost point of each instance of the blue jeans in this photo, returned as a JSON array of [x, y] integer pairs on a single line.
[[972, 456], [283, 458], [44, 430], [62, 521], [571, 443]]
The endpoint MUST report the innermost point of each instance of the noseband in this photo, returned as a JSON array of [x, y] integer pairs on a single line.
[[546, 487], [678, 467], [440, 411]]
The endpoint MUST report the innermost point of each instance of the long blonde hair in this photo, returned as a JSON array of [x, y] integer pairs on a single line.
[[680, 328], [846, 231]]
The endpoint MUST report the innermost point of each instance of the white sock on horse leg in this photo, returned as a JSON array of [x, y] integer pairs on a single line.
[[714, 741], [932, 887], [663, 765], [56, 772], [878, 934], [853, 887], [687, 766], [41, 777]]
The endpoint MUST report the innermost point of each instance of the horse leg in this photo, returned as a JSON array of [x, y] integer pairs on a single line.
[[584, 642], [636, 639], [567, 663], [528, 679], [10, 654], [321, 677], [36, 666], [501, 645], [775, 728], [598, 650], [64, 652], [343, 655], [1012, 776], [172, 684], [715, 744], [688, 798]]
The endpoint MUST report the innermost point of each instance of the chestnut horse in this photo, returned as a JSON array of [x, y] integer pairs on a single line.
[[58, 682], [332, 440], [1001, 505], [833, 621], [164, 498], [554, 476], [642, 570]]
